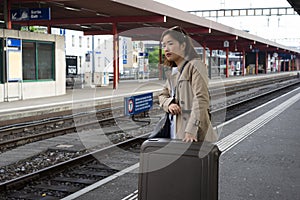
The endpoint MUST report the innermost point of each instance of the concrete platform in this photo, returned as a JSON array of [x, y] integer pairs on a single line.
[[230, 161], [264, 164]]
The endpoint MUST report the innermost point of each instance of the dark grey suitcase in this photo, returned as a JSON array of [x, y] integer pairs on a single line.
[[175, 170]]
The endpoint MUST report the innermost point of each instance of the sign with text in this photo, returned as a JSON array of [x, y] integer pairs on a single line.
[[137, 104], [25, 14], [71, 64]]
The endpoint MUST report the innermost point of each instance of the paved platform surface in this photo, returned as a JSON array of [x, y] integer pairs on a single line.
[[263, 166]]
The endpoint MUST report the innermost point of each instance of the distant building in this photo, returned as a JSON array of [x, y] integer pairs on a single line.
[[95, 55]]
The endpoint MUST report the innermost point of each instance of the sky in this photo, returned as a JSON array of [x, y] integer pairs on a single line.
[[281, 29]]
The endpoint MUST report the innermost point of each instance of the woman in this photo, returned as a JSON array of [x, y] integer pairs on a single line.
[[185, 95]]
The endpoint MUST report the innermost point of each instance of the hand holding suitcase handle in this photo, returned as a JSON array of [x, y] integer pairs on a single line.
[[189, 137]]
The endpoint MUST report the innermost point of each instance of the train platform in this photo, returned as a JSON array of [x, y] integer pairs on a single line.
[[259, 157], [97, 96], [82, 96], [268, 153]]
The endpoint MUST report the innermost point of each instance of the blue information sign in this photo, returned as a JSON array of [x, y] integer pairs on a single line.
[[12, 42], [24, 14], [137, 104]]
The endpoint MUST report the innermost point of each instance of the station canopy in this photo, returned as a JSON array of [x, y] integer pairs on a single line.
[[141, 20]]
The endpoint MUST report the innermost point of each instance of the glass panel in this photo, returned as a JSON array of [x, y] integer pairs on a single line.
[[28, 59], [45, 61]]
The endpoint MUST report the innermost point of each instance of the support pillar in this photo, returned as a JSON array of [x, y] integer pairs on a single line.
[[7, 8], [227, 62], [266, 61], [49, 29], [244, 63], [115, 56], [204, 53], [256, 63], [279, 64], [209, 64]]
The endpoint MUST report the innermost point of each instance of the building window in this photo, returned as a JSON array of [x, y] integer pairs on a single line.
[[38, 61], [99, 62], [45, 61], [28, 59], [73, 40], [80, 41], [88, 42], [99, 43]]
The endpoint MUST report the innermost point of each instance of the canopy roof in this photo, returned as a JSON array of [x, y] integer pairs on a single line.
[[96, 17]]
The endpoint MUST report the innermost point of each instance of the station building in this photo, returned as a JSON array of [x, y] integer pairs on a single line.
[[33, 65], [38, 65]]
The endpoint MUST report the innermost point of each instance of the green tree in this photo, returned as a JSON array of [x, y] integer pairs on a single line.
[[154, 58]]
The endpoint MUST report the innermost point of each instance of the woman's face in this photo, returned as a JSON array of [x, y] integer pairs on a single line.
[[174, 51]]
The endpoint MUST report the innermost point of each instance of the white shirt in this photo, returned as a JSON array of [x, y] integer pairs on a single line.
[[173, 117]]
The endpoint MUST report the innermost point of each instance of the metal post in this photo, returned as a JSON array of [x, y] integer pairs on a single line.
[[227, 62], [7, 8], [209, 65], [293, 64], [279, 64], [49, 29], [204, 53], [244, 62], [256, 63], [115, 56], [93, 59], [266, 60]]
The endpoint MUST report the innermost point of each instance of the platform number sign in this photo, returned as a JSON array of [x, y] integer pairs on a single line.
[[137, 104]]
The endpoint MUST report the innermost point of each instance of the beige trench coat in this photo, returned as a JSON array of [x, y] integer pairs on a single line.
[[193, 97]]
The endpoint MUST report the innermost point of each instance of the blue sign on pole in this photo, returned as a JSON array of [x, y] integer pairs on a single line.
[[12, 42], [124, 52], [137, 104], [24, 14]]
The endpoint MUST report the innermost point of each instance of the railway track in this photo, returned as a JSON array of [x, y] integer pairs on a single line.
[[63, 179], [56, 182], [14, 135]]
